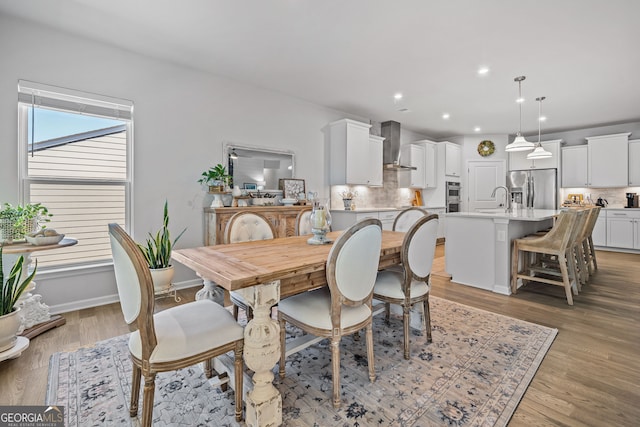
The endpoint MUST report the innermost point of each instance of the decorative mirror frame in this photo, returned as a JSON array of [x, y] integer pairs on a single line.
[[227, 146]]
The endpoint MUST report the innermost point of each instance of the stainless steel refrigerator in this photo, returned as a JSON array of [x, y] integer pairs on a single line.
[[535, 188]]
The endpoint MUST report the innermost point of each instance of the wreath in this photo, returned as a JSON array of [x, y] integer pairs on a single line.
[[486, 148]]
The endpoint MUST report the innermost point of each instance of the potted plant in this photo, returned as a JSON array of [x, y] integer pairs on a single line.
[[216, 178], [10, 291], [17, 221], [157, 251]]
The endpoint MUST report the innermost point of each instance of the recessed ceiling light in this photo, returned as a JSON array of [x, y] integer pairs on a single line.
[[543, 118], [446, 116], [397, 96], [476, 129], [520, 100], [483, 70]]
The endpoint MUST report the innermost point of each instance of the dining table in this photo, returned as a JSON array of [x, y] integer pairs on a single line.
[[265, 271]]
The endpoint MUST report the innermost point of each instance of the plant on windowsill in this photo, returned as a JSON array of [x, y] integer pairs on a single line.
[[17, 221], [216, 178], [157, 252], [10, 291]]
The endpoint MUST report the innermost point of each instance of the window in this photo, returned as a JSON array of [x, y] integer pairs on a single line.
[[75, 151]]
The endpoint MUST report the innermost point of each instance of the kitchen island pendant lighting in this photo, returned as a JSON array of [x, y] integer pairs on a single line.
[[519, 144], [539, 152]]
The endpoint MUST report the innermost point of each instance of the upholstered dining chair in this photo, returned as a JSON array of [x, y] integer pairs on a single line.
[[412, 283], [174, 338], [407, 218], [303, 226], [557, 243], [246, 227], [344, 306]]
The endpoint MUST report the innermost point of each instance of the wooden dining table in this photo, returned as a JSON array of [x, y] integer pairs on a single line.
[[263, 272]]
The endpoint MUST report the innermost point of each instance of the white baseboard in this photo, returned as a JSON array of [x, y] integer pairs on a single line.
[[108, 299]]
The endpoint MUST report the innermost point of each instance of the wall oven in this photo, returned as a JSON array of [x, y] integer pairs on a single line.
[[453, 196]]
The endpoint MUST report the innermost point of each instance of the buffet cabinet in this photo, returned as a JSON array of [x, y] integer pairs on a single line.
[[283, 219]]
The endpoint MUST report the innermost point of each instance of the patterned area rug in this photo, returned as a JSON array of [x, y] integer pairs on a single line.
[[473, 374]]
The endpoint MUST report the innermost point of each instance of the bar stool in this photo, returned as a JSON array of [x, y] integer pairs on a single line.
[[557, 243]]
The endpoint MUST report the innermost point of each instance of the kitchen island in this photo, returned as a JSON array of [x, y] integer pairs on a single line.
[[478, 244]]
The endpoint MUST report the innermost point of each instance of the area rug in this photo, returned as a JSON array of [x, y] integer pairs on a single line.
[[474, 373]]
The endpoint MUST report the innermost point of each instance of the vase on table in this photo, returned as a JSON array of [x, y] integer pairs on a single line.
[[320, 221]]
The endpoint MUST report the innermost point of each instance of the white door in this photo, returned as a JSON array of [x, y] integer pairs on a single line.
[[483, 177]]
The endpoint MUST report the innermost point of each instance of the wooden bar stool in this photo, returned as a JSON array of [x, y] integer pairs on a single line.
[[556, 243]]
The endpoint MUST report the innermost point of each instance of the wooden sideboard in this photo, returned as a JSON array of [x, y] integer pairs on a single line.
[[283, 219]]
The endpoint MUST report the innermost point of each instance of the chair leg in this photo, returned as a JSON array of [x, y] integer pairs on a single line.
[[565, 278], [370, 356], [573, 271], [147, 399], [208, 370], [587, 256], [427, 319], [335, 368], [135, 390], [283, 347], [235, 311], [593, 253], [406, 316], [514, 268], [249, 312], [239, 374], [387, 312]]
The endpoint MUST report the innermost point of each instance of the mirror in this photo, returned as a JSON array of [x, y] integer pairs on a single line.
[[258, 168]]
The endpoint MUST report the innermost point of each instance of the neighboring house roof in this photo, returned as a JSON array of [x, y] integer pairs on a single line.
[[55, 142]]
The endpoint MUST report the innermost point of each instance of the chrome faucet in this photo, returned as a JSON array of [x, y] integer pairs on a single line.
[[507, 194]]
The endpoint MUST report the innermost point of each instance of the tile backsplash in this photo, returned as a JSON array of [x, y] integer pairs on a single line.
[[389, 195], [615, 196]]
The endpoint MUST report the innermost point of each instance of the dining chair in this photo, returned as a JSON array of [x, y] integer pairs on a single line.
[[171, 339], [303, 226], [407, 218], [344, 306], [411, 285], [246, 227], [557, 243], [587, 242]]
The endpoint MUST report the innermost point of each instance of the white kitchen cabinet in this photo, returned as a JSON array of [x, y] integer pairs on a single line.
[[441, 219], [518, 159], [352, 158], [453, 160], [574, 166], [634, 163], [414, 155], [341, 220], [430, 165], [599, 233], [622, 229], [608, 160], [375, 156]]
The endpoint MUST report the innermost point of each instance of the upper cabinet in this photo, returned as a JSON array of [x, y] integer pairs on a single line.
[[452, 160], [608, 160], [375, 156], [430, 165], [414, 155], [355, 158], [603, 162], [634, 163], [518, 159], [574, 166]]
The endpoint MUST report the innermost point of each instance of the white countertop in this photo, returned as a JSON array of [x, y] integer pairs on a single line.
[[518, 215]]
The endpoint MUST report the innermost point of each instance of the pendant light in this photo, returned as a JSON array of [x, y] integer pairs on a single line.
[[539, 152], [520, 144]]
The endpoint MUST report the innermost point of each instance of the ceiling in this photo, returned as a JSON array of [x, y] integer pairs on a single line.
[[353, 56]]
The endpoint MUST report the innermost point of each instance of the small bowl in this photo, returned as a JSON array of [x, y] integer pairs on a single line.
[[44, 240]]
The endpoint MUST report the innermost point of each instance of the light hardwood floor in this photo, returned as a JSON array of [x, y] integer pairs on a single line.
[[590, 377]]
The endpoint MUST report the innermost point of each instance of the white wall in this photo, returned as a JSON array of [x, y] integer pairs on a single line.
[[181, 118]]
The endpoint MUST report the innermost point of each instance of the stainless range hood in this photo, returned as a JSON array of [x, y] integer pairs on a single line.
[[391, 147]]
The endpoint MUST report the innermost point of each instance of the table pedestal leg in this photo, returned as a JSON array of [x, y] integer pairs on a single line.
[[210, 290], [261, 352]]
